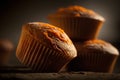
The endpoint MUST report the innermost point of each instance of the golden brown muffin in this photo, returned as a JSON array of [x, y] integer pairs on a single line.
[[78, 22], [94, 55], [44, 48], [6, 48]]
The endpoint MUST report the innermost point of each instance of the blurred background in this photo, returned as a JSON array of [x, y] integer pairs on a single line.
[[15, 13]]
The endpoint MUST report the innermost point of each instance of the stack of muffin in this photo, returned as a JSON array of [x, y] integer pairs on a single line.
[[82, 26], [47, 48]]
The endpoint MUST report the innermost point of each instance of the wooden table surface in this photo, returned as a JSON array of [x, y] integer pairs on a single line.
[[24, 73]]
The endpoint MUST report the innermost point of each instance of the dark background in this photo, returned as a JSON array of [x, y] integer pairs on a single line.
[[14, 13]]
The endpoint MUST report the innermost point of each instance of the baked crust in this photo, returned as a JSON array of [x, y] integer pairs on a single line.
[[51, 36], [97, 45], [77, 11]]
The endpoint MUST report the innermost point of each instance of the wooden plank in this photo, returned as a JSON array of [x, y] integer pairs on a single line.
[[24, 73], [59, 76], [15, 69]]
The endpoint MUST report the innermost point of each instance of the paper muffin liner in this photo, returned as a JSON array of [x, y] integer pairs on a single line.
[[39, 57], [91, 60], [78, 28]]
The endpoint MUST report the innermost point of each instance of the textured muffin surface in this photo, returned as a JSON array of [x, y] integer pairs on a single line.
[[77, 11], [98, 45], [51, 36]]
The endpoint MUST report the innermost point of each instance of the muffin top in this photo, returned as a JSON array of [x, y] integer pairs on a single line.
[[97, 45], [77, 11], [50, 36]]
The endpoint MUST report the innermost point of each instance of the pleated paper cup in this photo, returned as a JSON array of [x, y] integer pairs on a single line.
[[78, 28], [92, 60], [38, 56]]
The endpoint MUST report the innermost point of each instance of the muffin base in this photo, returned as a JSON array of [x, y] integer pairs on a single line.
[[78, 28], [93, 61]]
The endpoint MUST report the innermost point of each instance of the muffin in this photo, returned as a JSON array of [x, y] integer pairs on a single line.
[[44, 48], [6, 48], [94, 55], [78, 22]]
